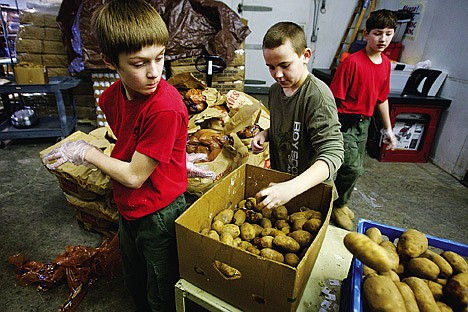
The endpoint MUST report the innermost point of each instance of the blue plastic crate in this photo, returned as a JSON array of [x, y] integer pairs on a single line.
[[351, 290]]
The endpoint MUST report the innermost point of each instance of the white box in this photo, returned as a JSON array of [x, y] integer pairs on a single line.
[[408, 133], [398, 79]]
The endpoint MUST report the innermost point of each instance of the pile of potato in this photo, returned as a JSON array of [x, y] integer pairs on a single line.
[[408, 275], [270, 233]]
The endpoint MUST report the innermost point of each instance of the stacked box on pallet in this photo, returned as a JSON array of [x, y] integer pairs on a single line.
[[39, 41], [232, 77]]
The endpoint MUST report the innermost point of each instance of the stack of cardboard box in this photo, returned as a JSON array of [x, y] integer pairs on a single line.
[[39, 41], [231, 78]]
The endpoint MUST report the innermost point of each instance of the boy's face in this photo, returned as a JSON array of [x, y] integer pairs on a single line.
[[286, 67], [140, 72], [379, 39]]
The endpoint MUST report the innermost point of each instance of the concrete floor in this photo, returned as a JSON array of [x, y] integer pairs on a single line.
[[36, 220]]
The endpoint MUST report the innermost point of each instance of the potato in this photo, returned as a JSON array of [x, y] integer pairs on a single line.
[[304, 238], [247, 231], [237, 241], [408, 297], [280, 213], [381, 294], [272, 232], [301, 215], [258, 229], [368, 252], [231, 229], [272, 254], [266, 242], [292, 259], [441, 281], [226, 238], [392, 252], [457, 262], [265, 223], [446, 269], [286, 243], [280, 224], [267, 212], [213, 234], [456, 289], [298, 224], [225, 216], [412, 243], [422, 293], [436, 289], [251, 203], [239, 217], [368, 271], [241, 204], [244, 244], [374, 234], [312, 226], [443, 307], [228, 271], [218, 226], [252, 249], [204, 231], [392, 275], [423, 268]]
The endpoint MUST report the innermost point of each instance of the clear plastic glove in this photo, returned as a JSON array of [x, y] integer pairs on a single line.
[[276, 194], [197, 171], [389, 138], [73, 152]]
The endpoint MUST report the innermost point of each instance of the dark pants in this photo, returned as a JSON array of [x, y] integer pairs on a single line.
[[149, 257], [355, 140]]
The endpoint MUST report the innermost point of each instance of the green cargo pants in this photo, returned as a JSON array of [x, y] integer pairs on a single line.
[[149, 257], [355, 140]]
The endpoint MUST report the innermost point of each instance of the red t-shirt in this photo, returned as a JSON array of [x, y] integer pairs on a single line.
[[156, 127], [360, 84]]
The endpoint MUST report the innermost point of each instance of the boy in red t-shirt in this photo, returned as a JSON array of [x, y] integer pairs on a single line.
[[361, 83], [148, 162]]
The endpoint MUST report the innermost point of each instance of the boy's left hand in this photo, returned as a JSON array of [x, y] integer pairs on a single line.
[[389, 138], [275, 195]]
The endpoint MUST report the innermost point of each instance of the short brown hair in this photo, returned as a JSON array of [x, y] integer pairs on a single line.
[[381, 19], [124, 26], [279, 33]]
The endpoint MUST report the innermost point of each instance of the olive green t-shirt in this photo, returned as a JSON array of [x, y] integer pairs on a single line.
[[304, 128]]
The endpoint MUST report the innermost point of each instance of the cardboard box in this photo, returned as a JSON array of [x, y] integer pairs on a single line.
[[31, 75], [263, 285]]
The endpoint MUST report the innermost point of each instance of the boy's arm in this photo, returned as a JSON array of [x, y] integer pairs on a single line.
[[130, 174], [387, 130], [280, 193]]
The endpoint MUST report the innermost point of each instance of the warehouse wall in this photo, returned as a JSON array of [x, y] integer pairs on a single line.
[[438, 40]]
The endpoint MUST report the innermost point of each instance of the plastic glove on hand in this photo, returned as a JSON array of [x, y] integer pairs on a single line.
[[389, 138], [194, 171], [73, 152]]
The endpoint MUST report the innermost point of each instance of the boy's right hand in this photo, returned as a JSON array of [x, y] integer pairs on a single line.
[[257, 143], [73, 152]]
